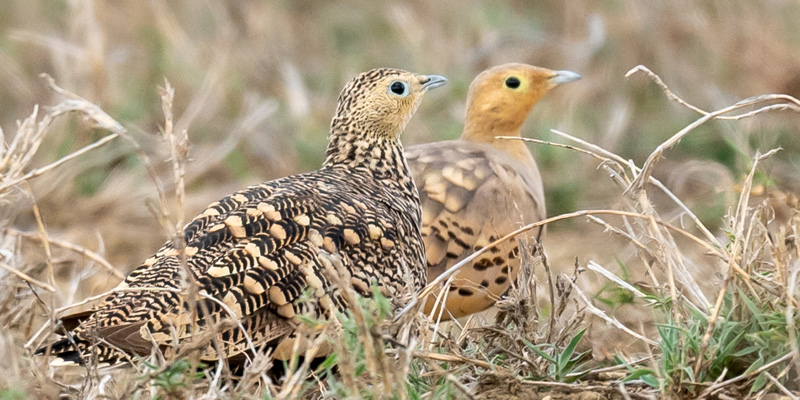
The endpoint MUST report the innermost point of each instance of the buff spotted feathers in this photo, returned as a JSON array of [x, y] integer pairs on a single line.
[[253, 254], [478, 188]]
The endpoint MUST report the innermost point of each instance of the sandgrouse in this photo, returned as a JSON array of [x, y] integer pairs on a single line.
[[476, 189], [255, 255]]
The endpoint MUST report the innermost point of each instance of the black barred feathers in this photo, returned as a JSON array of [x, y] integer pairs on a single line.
[[251, 258]]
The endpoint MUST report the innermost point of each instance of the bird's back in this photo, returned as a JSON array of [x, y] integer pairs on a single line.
[[472, 194], [253, 256]]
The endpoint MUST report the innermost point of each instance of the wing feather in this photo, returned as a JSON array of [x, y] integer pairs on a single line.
[[472, 194], [252, 256]]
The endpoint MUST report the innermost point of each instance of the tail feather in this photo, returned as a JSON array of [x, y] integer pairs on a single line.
[[64, 352]]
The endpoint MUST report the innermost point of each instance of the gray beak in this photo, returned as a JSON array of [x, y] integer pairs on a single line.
[[432, 82], [562, 77]]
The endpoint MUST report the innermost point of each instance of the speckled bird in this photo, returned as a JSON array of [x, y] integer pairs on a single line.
[[477, 188], [251, 256]]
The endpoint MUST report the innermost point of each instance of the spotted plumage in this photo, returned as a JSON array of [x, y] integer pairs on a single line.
[[257, 258], [477, 189]]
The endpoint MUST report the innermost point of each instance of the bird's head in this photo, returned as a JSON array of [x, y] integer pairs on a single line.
[[501, 97], [382, 101]]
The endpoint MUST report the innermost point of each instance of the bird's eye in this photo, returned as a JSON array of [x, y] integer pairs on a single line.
[[512, 82], [399, 88]]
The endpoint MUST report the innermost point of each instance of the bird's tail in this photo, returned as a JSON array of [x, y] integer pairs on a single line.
[[65, 352]]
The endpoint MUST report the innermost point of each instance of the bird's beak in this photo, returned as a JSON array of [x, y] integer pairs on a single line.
[[562, 77], [432, 81]]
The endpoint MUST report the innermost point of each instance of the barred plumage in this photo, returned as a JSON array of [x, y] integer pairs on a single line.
[[477, 189], [254, 253]]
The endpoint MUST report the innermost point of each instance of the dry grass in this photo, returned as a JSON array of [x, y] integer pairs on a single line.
[[663, 268]]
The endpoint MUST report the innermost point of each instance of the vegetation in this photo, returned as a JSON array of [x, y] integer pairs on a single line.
[[675, 278]]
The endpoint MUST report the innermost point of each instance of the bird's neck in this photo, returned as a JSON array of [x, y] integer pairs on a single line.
[[516, 148], [352, 147]]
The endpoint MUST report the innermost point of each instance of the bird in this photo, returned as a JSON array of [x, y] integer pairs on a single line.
[[478, 188], [256, 255]]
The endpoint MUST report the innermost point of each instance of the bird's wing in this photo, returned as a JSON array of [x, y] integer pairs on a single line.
[[252, 256], [471, 194]]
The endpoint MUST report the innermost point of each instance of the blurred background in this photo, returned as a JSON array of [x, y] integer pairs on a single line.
[[256, 85]]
